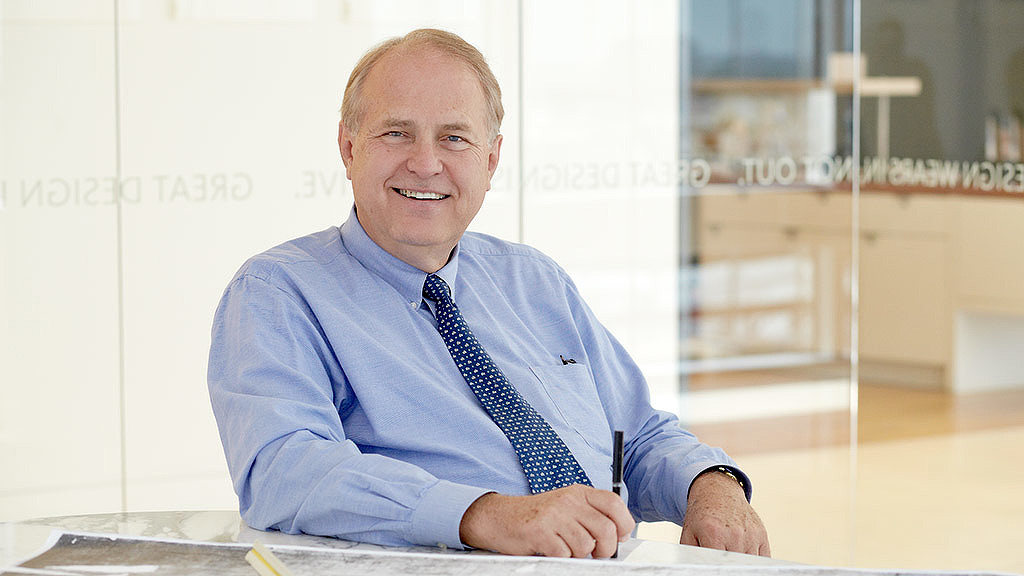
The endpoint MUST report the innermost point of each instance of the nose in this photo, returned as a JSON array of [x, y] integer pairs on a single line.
[[423, 159]]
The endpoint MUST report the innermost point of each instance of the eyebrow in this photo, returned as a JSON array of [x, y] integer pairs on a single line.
[[396, 123], [406, 124], [456, 127]]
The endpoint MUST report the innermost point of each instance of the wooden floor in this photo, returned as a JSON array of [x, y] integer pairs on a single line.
[[934, 481], [885, 413]]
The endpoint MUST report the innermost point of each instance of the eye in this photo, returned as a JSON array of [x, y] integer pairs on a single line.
[[454, 142], [393, 134]]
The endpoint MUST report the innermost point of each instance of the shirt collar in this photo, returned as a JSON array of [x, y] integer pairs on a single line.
[[405, 278]]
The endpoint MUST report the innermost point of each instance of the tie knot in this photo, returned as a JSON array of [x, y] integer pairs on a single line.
[[436, 289]]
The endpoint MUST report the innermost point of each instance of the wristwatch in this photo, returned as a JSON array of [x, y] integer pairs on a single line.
[[724, 470]]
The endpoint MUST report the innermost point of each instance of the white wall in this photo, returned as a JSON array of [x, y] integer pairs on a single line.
[[601, 134], [988, 352], [59, 399]]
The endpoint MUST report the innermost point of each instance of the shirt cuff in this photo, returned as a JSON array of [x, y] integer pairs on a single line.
[[438, 516], [736, 473]]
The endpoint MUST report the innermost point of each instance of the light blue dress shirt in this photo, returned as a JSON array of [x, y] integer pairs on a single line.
[[343, 414]]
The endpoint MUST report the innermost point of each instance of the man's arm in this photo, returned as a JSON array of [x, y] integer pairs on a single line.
[[272, 385]]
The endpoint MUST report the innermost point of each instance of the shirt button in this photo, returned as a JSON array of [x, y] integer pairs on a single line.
[[413, 304], [442, 545]]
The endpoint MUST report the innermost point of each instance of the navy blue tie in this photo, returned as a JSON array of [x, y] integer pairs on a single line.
[[546, 460]]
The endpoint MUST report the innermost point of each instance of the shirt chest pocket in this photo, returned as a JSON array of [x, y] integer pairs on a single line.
[[574, 396]]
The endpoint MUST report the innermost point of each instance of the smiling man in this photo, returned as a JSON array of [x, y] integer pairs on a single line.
[[420, 153], [398, 380]]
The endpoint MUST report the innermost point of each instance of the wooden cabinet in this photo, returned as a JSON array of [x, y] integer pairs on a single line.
[[776, 275], [904, 311], [774, 272]]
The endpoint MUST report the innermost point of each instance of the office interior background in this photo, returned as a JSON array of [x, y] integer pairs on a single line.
[[804, 219]]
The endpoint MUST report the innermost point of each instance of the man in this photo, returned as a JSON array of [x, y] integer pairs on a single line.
[[390, 380]]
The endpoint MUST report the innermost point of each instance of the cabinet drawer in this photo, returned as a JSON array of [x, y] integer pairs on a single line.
[[921, 214], [904, 300], [989, 236]]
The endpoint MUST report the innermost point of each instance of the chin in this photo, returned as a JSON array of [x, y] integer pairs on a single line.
[[411, 236]]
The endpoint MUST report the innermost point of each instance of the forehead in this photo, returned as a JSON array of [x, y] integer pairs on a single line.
[[425, 87]]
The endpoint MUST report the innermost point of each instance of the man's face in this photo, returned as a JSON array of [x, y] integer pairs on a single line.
[[422, 160]]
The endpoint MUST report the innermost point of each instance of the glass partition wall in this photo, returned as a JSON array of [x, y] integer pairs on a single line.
[[941, 284], [799, 217], [766, 259]]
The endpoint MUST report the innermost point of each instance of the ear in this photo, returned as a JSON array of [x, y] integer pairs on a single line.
[[492, 158], [345, 147]]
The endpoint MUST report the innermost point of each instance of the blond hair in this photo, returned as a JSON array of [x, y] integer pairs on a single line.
[[451, 44]]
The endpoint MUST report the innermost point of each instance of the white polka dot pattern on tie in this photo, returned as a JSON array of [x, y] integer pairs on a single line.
[[546, 460]]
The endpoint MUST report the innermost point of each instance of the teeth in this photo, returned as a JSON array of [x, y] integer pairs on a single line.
[[420, 195]]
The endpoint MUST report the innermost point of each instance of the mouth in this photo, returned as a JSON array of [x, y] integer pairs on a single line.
[[417, 195]]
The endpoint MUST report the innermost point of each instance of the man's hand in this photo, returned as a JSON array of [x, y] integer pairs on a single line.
[[576, 521], [719, 516]]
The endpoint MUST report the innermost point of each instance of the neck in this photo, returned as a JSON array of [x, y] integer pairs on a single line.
[[429, 259], [424, 262]]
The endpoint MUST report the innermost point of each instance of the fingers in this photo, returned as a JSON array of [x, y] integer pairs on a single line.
[[733, 538], [747, 536], [576, 521], [555, 547], [579, 538], [591, 522], [613, 508], [602, 532], [718, 516], [687, 537]]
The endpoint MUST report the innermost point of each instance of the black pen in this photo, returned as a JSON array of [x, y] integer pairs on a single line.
[[617, 472]]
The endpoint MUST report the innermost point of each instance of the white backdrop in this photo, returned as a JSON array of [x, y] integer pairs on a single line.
[[227, 145]]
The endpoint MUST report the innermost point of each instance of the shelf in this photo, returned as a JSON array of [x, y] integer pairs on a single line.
[[871, 86]]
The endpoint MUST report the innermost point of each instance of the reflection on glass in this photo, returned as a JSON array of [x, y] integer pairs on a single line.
[[765, 289], [937, 319]]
